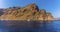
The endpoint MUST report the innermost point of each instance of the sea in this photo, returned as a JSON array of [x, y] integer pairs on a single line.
[[29, 26]]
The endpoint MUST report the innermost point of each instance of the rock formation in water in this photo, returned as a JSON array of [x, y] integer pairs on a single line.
[[30, 12]]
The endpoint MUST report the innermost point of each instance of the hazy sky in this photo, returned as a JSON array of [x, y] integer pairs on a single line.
[[52, 6]]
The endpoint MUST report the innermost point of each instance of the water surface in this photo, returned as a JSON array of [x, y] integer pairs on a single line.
[[29, 26]]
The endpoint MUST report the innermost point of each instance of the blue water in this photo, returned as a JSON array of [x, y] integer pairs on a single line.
[[29, 26]]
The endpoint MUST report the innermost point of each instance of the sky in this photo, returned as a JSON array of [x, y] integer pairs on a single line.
[[52, 6]]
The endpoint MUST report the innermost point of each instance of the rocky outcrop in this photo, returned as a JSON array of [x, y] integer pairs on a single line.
[[30, 12], [1, 11], [49, 16]]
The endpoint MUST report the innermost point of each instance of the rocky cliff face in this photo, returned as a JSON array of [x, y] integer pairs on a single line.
[[1, 11], [30, 12]]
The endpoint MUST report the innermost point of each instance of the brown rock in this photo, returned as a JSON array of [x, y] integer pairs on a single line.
[[29, 12]]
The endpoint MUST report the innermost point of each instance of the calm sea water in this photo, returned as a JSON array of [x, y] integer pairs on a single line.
[[29, 26]]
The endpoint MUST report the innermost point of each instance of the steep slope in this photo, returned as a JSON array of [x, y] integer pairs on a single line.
[[30, 12], [1, 11]]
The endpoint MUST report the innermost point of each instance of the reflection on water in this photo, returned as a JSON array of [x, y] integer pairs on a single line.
[[29, 26]]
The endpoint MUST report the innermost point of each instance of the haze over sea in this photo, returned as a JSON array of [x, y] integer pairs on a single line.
[[29, 26]]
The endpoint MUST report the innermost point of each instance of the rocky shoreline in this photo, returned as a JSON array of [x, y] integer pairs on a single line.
[[29, 12]]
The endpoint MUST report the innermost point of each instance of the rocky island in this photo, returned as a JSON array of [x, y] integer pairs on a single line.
[[29, 12]]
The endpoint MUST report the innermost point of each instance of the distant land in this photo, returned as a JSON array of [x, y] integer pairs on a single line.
[[29, 12]]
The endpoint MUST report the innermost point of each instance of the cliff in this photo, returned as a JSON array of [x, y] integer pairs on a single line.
[[1, 12], [30, 12]]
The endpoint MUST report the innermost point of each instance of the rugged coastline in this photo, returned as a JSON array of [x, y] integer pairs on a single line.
[[29, 12]]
